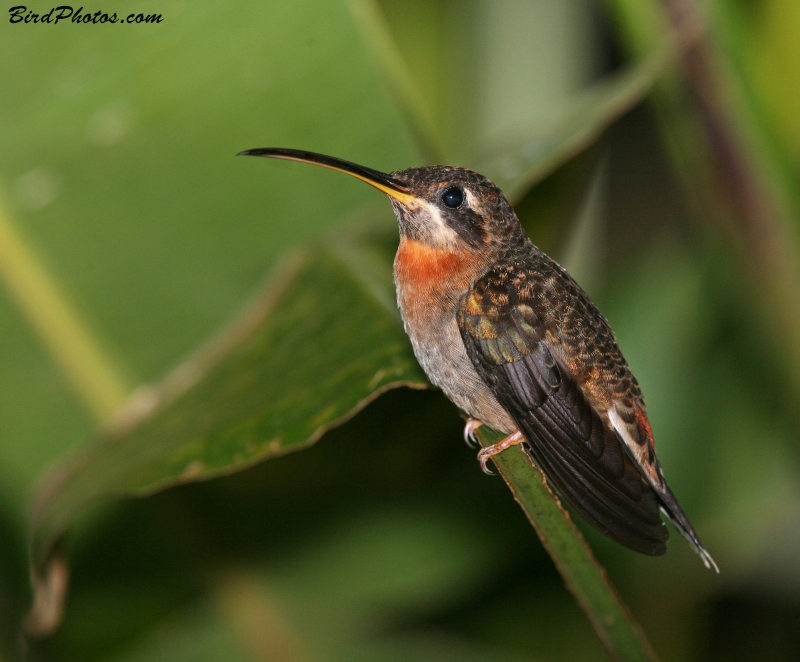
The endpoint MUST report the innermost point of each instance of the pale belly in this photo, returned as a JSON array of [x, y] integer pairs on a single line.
[[440, 351]]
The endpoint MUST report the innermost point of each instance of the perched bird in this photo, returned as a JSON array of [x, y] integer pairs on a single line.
[[516, 344]]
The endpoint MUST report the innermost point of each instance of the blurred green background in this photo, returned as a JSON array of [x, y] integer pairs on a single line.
[[129, 234]]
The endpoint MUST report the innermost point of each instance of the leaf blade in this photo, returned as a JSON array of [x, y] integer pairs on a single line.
[[518, 166], [265, 387]]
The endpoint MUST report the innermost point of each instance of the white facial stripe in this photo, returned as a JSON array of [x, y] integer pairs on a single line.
[[471, 200], [441, 233]]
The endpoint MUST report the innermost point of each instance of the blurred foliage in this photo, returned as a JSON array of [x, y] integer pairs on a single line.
[[327, 324], [384, 542]]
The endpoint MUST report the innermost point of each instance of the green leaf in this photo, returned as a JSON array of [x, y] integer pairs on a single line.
[[583, 575], [315, 346], [117, 171], [398, 78], [520, 164]]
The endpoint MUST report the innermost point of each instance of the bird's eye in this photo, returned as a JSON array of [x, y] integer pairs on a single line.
[[453, 197]]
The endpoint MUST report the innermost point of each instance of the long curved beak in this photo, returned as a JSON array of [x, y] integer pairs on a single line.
[[380, 180]]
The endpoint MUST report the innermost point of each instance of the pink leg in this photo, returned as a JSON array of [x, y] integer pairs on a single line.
[[469, 432], [490, 451]]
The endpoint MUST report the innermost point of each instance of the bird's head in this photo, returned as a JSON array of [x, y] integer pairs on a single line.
[[444, 207]]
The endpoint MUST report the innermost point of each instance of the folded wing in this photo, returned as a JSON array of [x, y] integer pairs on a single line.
[[581, 457]]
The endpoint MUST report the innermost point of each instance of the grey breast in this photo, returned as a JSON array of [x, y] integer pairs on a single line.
[[440, 351]]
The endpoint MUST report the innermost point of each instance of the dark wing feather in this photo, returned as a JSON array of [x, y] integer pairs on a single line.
[[579, 455]]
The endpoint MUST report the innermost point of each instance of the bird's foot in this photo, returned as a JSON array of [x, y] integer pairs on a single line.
[[490, 451], [469, 432]]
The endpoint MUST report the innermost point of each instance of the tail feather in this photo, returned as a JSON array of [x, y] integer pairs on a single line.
[[675, 514], [637, 440]]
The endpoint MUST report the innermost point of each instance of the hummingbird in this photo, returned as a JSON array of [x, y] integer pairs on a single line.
[[514, 342]]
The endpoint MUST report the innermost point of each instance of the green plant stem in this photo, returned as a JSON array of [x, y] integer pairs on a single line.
[[584, 576], [395, 72], [76, 349]]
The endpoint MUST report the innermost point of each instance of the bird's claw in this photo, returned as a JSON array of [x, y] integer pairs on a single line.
[[483, 457], [490, 451], [469, 432]]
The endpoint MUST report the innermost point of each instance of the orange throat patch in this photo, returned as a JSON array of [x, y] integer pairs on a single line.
[[419, 267]]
